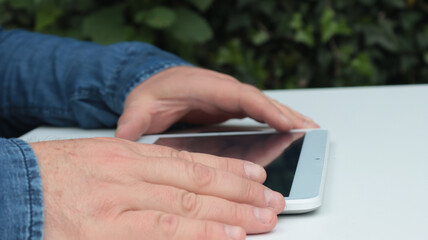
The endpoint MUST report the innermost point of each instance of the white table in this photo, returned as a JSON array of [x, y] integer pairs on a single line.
[[377, 182]]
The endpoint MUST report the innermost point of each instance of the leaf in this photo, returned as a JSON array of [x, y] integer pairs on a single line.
[[144, 35], [21, 4], [74, 33], [395, 3], [368, 3], [159, 17], [244, 3], [330, 27], [259, 37], [105, 26], [306, 36], [410, 19], [345, 51], [238, 21], [426, 58], [408, 62], [84, 5], [230, 54], [5, 15], [47, 13], [140, 16], [202, 5], [190, 27], [382, 35], [362, 64], [296, 22], [283, 27], [267, 7]]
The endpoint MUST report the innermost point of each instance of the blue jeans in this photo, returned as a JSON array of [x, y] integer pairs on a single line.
[[48, 80]]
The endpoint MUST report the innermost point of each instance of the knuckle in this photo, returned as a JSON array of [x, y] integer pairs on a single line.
[[236, 214], [250, 191], [173, 153], [202, 175], [107, 207], [168, 224], [185, 155], [189, 203], [226, 164]]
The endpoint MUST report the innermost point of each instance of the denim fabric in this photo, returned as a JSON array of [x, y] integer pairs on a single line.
[[48, 80], [21, 200], [64, 82]]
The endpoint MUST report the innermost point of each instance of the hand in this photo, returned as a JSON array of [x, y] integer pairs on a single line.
[[200, 96], [108, 188]]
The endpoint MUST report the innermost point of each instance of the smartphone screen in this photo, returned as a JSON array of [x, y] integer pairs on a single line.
[[278, 153]]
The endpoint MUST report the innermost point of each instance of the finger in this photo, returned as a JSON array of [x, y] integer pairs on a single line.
[[183, 203], [133, 122], [234, 97], [298, 119], [238, 167], [256, 105], [160, 225], [201, 179]]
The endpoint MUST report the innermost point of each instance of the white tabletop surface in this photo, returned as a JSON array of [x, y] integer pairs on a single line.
[[377, 179]]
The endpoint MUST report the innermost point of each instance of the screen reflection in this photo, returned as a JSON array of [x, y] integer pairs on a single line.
[[278, 152]]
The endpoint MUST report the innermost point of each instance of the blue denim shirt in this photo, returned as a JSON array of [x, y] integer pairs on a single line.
[[64, 82]]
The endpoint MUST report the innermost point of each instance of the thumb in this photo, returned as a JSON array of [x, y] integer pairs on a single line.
[[133, 123]]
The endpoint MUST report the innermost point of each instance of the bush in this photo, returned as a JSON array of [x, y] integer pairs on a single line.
[[271, 43]]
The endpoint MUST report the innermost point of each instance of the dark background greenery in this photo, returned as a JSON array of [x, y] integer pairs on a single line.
[[270, 43]]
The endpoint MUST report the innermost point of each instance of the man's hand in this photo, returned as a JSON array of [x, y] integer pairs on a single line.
[[200, 96], [108, 188]]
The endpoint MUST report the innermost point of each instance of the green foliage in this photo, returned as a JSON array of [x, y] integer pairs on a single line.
[[158, 17], [202, 5], [190, 27], [99, 25], [46, 14], [270, 43], [330, 27]]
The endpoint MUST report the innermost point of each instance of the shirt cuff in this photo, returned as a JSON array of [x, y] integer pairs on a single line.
[[142, 62], [21, 198]]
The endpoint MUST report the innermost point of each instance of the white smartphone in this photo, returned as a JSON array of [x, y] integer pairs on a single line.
[[295, 161]]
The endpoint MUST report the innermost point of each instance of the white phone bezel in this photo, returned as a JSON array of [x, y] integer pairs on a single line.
[[308, 184]]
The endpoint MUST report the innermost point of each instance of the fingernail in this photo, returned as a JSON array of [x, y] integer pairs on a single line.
[[233, 232], [253, 171], [273, 199], [263, 215]]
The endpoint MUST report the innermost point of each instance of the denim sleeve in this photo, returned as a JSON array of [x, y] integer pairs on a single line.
[[21, 200], [65, 82]]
